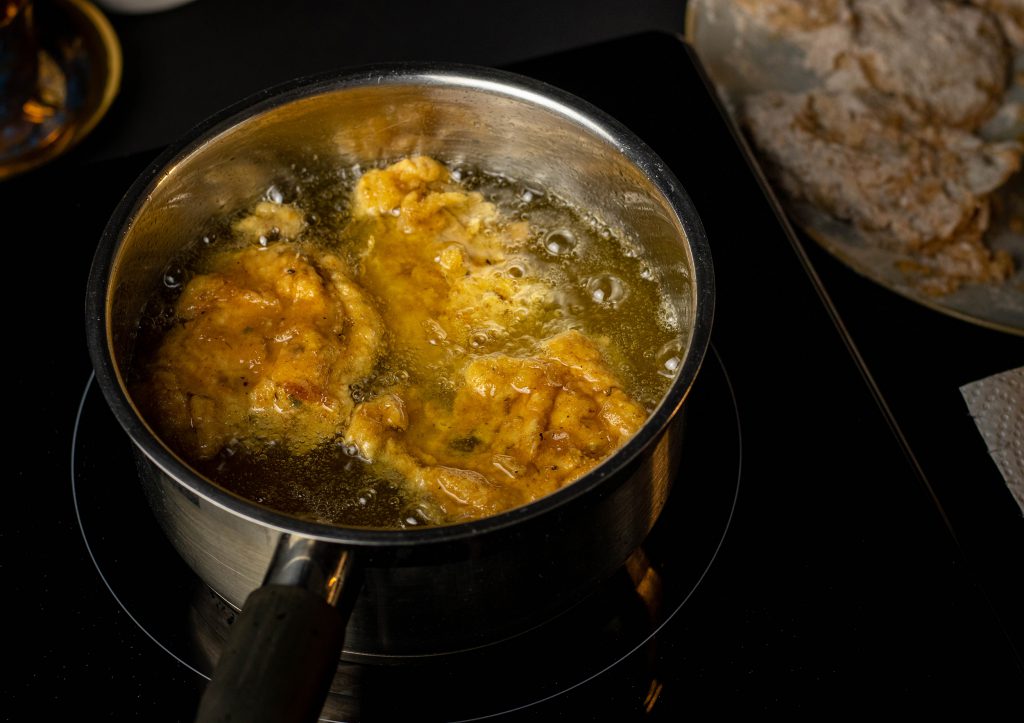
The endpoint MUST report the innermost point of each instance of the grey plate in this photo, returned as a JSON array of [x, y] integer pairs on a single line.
[[741, 57]]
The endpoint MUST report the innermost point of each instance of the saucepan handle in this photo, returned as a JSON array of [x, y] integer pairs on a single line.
[[283, 648]]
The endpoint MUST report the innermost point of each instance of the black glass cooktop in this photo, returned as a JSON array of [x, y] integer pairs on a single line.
[[613, 636], [824, 564]]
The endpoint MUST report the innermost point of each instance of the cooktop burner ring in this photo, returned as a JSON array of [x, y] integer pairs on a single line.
[[186, 585]]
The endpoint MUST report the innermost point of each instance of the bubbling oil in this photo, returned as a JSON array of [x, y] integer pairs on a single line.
[[602, 286]]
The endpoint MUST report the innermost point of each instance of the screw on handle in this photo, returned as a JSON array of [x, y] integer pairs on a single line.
[[283, 649]]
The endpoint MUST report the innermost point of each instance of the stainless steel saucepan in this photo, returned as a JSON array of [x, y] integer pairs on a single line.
[[310, 592]]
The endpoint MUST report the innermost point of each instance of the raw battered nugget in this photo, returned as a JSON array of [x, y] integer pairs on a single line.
[[933, 62], [267, 342], [1010, 14], [926, 188], [937, 62], [823, 29], [518, 428], [796, 16]]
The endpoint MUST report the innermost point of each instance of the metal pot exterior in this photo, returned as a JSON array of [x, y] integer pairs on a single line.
[[448, 596], [437, 589]]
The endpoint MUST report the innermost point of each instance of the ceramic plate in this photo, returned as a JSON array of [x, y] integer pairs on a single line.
[[741, 57]]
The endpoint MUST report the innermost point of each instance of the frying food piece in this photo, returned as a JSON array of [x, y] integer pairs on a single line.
[[431, 344], [518, 428], [442, 262], [1010, 14], [267, 344], [926, 188], [271, 221]]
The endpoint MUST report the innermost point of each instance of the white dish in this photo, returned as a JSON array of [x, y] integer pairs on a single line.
[[741, 57]]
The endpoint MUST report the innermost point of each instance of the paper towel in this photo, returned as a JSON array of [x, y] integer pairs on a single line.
[[997, 405]]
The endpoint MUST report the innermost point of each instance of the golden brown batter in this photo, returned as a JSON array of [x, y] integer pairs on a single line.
[[499, 399], [268, 342], [519, 428], [441, 262]]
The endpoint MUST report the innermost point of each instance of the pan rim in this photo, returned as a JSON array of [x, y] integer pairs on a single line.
[[513, 85]]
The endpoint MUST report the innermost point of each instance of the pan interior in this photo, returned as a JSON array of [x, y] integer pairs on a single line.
[[503, 130]]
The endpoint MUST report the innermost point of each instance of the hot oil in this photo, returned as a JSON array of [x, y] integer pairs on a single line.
[[328, 484], [608, 288], [602, 285]]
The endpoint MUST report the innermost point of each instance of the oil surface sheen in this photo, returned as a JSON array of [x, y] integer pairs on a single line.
[[404, 345]]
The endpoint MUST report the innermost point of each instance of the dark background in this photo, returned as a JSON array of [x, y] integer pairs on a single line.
[[185, 63], [860, 573]]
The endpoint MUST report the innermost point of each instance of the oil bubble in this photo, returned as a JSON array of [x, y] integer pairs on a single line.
[[173, 278], [274, 195], [416, 514], [436, 335], [669, 359], [350, 449], [528, 195], [366, 496], [606, 289], [560, 243]]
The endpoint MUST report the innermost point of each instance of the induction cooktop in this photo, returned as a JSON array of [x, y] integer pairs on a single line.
[[837, 539]]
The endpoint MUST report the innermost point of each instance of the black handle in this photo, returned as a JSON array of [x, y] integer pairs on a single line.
[[280, 658], [282, 651]]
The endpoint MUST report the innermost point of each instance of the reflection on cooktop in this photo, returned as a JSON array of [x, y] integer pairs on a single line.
[[609, 640]]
